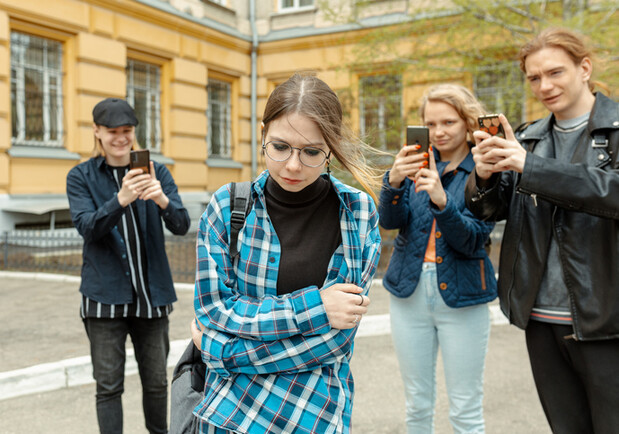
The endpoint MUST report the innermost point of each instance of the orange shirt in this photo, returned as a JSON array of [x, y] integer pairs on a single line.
[[431, 248]]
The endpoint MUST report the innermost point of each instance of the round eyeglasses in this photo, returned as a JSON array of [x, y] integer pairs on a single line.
[[308, 155]]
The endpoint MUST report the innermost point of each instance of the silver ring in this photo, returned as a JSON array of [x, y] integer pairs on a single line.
[[361, 295]]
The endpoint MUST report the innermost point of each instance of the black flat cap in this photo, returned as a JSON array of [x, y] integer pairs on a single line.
[[114, 112]]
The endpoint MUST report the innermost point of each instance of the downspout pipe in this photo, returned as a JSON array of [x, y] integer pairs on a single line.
[[254, 79]]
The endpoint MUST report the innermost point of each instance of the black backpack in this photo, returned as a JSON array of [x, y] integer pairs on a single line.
[[187, 388]]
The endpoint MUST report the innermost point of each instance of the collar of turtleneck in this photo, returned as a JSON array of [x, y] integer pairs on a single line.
[[309, 194], [307, 225]]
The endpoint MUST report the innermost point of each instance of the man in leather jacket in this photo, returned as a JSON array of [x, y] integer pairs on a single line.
[[556, 183]]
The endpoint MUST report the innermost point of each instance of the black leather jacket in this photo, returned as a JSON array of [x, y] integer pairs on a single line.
[[577, 202]]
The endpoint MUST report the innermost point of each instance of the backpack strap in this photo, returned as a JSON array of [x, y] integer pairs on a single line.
[[240, 201]]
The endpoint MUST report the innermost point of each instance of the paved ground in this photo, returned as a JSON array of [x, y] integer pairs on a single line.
[[40, 324]]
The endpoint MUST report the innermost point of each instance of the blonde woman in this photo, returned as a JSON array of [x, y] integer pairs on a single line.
[[439, 276]]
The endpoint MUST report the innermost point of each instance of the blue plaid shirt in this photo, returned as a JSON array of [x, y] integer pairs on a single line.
[[275, 365]]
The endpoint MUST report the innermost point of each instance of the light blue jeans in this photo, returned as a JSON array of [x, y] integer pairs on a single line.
[[422, 323]]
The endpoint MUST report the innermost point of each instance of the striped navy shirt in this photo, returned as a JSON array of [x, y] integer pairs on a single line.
[[141, 307]]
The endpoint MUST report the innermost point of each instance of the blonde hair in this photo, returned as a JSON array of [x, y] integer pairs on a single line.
[[97, 149], [306, 94], [460, 98]]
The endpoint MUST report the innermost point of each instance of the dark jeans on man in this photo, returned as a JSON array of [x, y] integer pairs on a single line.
[[107, 349], [576, 381]]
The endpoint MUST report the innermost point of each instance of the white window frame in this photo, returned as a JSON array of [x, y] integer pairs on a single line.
[[224, 110], [52, 80], [381, 115], [150, 122], [295, 6]]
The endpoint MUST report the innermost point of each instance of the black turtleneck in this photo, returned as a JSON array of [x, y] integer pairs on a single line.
[[307, 224]]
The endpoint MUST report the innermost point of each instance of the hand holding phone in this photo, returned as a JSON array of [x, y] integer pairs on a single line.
[[140, 159], [491, 125], [409, 159], [418, 136]]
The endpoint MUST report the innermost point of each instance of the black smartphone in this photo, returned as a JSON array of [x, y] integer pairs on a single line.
[[140, 159], [491, 125], [418, 136]]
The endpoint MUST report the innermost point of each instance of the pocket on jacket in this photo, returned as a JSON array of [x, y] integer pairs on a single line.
[[473, 277]]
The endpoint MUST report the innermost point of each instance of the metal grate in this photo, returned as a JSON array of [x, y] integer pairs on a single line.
[[143, 94], [500, 87], [36, 91], [218, 119], [380, 110], [60, 251]]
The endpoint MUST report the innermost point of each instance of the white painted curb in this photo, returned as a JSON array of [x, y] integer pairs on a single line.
[[67, 373], [78, 371]]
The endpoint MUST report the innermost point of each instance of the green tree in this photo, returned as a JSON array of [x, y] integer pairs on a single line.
[[473, 41]]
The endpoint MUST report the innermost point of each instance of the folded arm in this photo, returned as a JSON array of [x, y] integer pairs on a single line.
[[221, 307], [230, 353]]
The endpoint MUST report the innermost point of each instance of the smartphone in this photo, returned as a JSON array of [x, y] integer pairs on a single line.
[[491, 125], [140, 159], [418, 136]]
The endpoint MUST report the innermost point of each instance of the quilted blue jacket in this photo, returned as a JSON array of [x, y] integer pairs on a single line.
[[464, 271]]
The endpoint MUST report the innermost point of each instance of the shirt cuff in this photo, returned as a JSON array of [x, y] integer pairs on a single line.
[[213, 358], [310, 313]]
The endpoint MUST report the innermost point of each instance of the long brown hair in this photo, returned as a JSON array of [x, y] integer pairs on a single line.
[[571, 42], [460, 98], [306, 94]]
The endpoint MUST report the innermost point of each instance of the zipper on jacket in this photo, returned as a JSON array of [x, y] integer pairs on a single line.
[[533, 195], [518, 234]]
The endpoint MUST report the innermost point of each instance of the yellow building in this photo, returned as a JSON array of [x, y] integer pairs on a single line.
[[198, 73], [59, 58]]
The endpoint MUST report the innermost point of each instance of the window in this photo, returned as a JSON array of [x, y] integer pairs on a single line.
[[36, 91], [218, 119], [143, 94], [500, 87], [380, 110], [289, 5]]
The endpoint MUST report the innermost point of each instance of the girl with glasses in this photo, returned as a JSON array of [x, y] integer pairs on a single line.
[[439, 274], [276, 326]]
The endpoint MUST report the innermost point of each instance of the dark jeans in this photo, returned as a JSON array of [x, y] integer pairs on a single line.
[[107, 350], [576, 381]]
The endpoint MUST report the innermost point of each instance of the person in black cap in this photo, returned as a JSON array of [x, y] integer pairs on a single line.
[[126, 285]]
